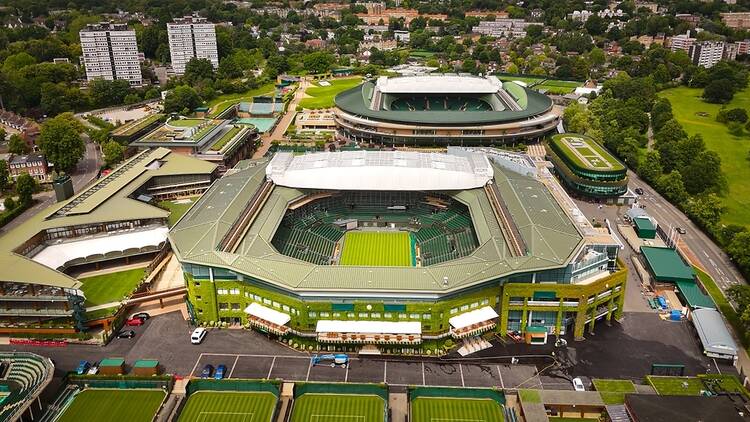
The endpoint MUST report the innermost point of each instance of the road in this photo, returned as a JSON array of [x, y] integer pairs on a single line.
[[280, 129]]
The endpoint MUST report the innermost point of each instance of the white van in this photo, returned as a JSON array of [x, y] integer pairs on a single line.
[[198, 335]]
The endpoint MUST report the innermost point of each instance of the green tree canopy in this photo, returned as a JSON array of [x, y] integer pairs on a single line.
[[197, 70], [16, 145], [60, 141], [4, 175], [113, 152], [25, 188], [181, 98], [318, 62]]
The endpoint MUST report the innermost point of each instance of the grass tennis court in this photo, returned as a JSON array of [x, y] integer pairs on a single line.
[[228, 406], [113, 406], [389, 249], [318, 96], [313, 407], [444, 409], [112, 287]]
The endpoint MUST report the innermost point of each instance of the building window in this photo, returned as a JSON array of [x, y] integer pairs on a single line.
[[257, 298], [474, 305], [222, 291], [414, 316], [464, 308], [285, 308], [401, 316], [312, 314], [276, 305], [485, 301], [267, 301], [387, 315], [337, 314], [426, 316], [454, 310], [375, 315], [325, 314], [234, 292], [350, 315], [223, 306], [235, 306], [363, 315]]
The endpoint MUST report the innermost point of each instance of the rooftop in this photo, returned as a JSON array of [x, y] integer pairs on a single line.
[[586, 153], [439, 84], [202, 134], [713, 332], [666, 264], [654, 408]]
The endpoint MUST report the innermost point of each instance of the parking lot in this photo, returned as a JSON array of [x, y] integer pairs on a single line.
[[379, 370]]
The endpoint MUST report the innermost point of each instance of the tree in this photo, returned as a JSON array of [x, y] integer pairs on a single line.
[[719, 91], [181, 98], [3, 134], [737, 115], [16, 145], [4, 175], [105, 93], [25, 188], [61, 142], [739, 252], [197, 70], [9, 203], [650, 166], [113, 152], [661, 112], [706, 210], [318, 62], [671, 186], [595, 25], [228, 68]]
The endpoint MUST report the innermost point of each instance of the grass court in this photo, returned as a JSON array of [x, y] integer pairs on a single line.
[[228, 406], [312, 407], [113, 406], [382, 249], [444, 409], [318, 96], [112, 287]]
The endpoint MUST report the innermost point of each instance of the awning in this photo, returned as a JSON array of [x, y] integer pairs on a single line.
[[267, 314], [693, 295], [368, 327], [470, 318]]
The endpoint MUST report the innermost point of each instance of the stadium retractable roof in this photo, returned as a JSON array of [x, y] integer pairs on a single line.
[[439, 84]]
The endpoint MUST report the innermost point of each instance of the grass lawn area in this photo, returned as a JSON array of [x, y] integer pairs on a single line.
[[676, 386], [554, 86], [228, 406], [722, 303], [390, 249], [177, 209], [231, 133], [613, 391], [572, 420], [112, 287], [322, 96], [721, 383], [686, 103], [529, 396], [596, 156], [222, 102], [429, 409], [312, 407], [185, 122], [113, 406], [101, 313]]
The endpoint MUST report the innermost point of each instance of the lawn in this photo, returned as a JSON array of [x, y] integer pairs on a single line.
[[676, 386], [113, 287], [231, 133], [185, 122], [429, 409], [613, 391], [228, 406], [686, 104], [312, 407], [113, 406], [322, 96], [597, 157], [101, 313], [382, 249], [529, 396], [222, 102], [553, 86], [177, 208]]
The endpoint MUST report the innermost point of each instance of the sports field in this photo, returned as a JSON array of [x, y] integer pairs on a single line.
[[313, 407], [444, 409], [553, 86], [112, 287], [113, 406], [228, 406], [381, 249], [318, 96]]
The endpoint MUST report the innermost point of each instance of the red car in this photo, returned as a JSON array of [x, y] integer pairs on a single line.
[[134, 322]]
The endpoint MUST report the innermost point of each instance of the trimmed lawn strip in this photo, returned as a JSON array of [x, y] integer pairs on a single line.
[[231, 133], [676, 386], [322, 96], [228, 406], [113, 406], [529, 396], [177, 210], [613, 391], [429, 409], [313, 407], [727, 383], [136, 125], [113, 287], [101, 313], [377, 249]]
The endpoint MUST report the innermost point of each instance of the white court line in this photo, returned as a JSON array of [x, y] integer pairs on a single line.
[[423, 383], [273, 362], [231, 371], [461, 369], [346, 377], [385, 371], [500, 374], [196, 364], [309, 366]]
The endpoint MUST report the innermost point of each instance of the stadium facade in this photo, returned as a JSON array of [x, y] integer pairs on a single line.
[[442, 110], [487, 247], [586, 167]]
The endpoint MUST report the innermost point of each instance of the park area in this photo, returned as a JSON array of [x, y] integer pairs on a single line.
[[698, 116], [112, 287], [229, 406], [113, 406], [382, 249], [552, 86], [313, 407], [440, 409], [321, 96]]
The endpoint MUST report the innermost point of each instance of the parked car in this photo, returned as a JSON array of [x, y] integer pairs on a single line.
[[639, 191], [83, 366], [578, 384], [207, 371], [142, 315], [126, 334], [94, 369], [134, 322], [198, 335], [681, 230], [220, 371]]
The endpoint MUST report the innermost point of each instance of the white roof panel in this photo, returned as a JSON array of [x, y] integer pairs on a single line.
[[713, 332], [380, 170], [439, 84], [473, 317], [268, 314], [369, 327]]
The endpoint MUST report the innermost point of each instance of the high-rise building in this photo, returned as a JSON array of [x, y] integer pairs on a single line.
[[682, 42], [110, 52], [191, 37], [706, 53]]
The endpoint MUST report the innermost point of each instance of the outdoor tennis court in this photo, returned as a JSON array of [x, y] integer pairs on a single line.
[[229, 406], [313, 407]]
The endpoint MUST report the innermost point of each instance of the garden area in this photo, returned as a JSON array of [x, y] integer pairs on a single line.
[[553, 86], [177, 208], [697, 116], [223, 102], [613, 391], [112, 287], [317, 96]]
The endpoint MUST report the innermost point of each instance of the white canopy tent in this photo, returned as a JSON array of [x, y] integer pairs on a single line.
[[473, 317], [267, 314]]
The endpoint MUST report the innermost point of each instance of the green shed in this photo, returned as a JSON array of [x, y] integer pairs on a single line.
[[666, 265], [644, 227], [146, 367], [112, 366]]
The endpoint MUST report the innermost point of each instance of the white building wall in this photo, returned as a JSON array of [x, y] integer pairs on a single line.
[[191, 37], [110, 52]]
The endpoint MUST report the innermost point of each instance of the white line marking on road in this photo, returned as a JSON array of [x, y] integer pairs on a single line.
[[461, 369], [231, 371], [385, 371], [196, 364], [500, 374], [309, 367], [704, 253], [273, 362], [346, 376], [423, 383]]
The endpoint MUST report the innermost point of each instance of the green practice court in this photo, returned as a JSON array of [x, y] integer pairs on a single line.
[[113, 406], [314, 407], [382, 249], [228, 406], [445, 409]]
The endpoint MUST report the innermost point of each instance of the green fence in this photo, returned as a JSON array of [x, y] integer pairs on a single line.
[[460, 393], [233, 385], [98, 381], [365, 389]]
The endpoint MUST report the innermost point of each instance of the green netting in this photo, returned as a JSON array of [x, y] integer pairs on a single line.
[[369, 389], [233, 385], [121, 383], [465, 393]]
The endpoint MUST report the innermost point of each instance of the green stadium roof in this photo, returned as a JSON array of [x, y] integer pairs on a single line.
[[666, 264], [588, 142], [356, 101], [549, 234], [106, 200]]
